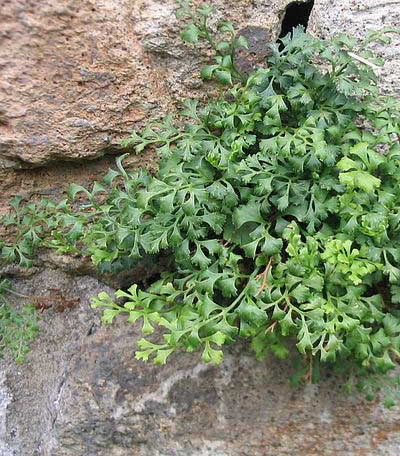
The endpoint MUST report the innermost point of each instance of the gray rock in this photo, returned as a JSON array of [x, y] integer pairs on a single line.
[[5, 399], [81, 392], [36, 387], [356, 17]]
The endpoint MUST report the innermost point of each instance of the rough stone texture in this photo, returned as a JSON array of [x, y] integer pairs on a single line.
[[5, 399], [77, 75], [30, 393], [83, 393], [356, 17]]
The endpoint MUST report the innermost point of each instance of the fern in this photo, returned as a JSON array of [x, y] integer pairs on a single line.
[[279, 211]]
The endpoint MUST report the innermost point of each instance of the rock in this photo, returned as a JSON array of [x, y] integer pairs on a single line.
[[258, 38], [356, 17], [143, 272], [30, 393], [81, 392], [77, 76], [5, 399]]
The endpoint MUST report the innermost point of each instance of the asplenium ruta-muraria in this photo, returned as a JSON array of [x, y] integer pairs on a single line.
[[278, 204]]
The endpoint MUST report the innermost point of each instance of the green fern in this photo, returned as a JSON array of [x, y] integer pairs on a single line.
[[279, 211], [17, 328]]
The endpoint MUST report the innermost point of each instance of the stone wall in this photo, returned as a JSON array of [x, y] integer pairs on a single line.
[[82, 393], [75, 77], [356, 17]]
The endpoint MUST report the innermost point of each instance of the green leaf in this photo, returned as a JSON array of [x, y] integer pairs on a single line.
[[97, 187], [109, 314], [206, 11], [242, 41], [143, 355], [167, 202], [218, 338], [224, 77], [215, 221], [147, 328], [395, 290], [249, 311], [228, 287], [9, 253], [15, 202], [200, 259], [211, 355], [190, 34], [392, 272], [370, 158], [73, 189], [133, 316], [223, 47], [190, 109], [301, 293], [391, 324], [250, 249], [280, 351], [247, 213], [347, 163], [226, 62], [225, 26], [217, 190], [272, 246], [287, 324], [207, 306], [384, 363], [208, 281], [162, 355], [304, 339], [360, 179], [283, 202]]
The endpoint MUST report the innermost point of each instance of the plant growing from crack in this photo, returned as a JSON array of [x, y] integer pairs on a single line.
[[19, 324], [17, 327], [279, 209]]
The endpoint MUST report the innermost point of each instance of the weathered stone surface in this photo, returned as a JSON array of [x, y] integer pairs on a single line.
[[356, 17], [83, 393], [30, 393], [77, 75]]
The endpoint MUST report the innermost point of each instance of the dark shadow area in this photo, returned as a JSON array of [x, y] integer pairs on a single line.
[[297, 13]]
